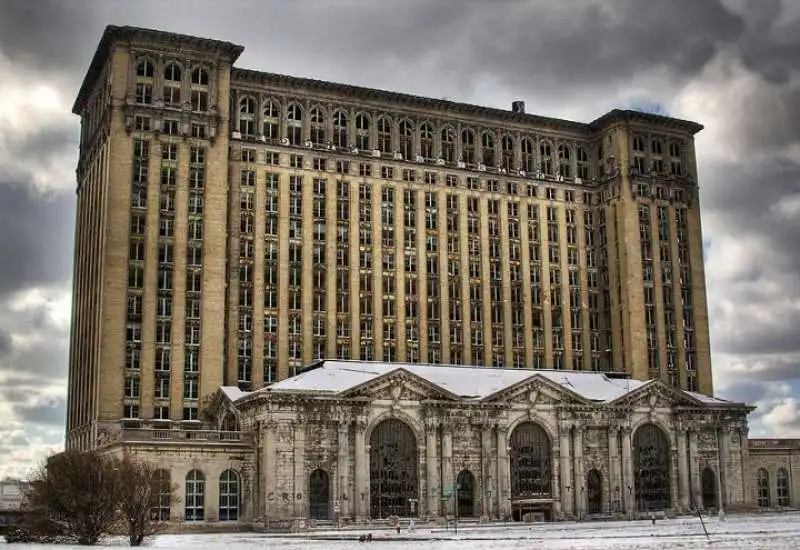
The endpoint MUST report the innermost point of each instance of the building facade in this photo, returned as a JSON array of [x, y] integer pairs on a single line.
[[349, 440], [235, 225]]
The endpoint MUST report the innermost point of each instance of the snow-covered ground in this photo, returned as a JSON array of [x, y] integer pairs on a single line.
[[777, 531]]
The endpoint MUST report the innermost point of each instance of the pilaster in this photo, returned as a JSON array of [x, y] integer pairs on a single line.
[[628, 485], [361, 488], [579, 483], [343, 469], [694, 471], [564, 446], [683, 470]]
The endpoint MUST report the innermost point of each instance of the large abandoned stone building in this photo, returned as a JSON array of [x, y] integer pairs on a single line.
[[235, 226]]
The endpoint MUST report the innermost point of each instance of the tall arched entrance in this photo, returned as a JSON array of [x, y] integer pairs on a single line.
[[393, 469], [466, 494], [708, 485], [651, 468], [530, 461], [594, 492], [319, 494]]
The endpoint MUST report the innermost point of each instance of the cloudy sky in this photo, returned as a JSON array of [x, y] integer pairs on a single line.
[[731, 65]]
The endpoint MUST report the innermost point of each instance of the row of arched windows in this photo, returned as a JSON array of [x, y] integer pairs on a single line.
[[782, 486], [410, 139], [173, 72]]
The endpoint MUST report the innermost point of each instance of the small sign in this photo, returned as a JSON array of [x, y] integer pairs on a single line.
[[448, 492]]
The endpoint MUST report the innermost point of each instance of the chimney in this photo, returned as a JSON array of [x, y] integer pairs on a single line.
[[518, 107]]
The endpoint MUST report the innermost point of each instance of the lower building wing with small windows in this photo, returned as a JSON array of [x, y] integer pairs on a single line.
[[370, 440]]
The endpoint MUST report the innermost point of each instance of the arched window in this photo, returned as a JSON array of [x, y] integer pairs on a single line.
[[199, 91], [340, 129], [675, 158], [651, 468], [448, 144], [270, 122], [638, 155], [594, 491], [708, 487], [317, 126], [229, 495], [507, 145], [487, 145], [385, 135], [230, 423], [528, 160], [782, 480], [145, 68], [406, 132], [657, 153], [363, 140], [319, 494], [465, 500], [426, 140], [394, 469], [161, 484], [762, 486], [530, 462], [564, 161], [199, 77], [468, 146], [171, 92], [582, 159], [247, 114], [294, 117], [194, 499], [546, 158], [172, 73]]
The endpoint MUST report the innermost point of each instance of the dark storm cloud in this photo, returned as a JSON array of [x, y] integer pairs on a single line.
[[5, 343], [771, 51], [44, 34], [50, 411], [37, 239]]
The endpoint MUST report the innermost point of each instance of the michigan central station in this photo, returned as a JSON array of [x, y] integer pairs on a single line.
[[307, 301]]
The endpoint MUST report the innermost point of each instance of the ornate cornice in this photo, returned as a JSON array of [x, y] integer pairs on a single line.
[[114, 34]]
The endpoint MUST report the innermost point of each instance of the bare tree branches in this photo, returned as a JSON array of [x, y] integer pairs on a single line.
[[76, 494], [81, 496], [145, 492]]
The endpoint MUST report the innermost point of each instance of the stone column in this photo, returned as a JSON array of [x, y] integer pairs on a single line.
[[556, 480], [486, 470], [361, 488], [447, 464], [628, 483], [747, 495], [566, 488], [725, 465], [683, 470], [579, 482], [431, 465], [503, 473], [300, 496], [614, 486], [694, 471], [270, 468], [343, 470]]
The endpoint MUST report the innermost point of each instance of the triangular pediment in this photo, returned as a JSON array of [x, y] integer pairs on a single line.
[[399, 385], [657, 395], [534, 391]]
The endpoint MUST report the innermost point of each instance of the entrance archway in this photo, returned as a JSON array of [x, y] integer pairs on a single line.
[[393, 469], [319, 494], [466, 494], [708, 484], [594, 490], [651, 468], [530, 463]]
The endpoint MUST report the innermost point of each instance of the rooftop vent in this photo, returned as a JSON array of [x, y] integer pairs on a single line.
[[518, 107]]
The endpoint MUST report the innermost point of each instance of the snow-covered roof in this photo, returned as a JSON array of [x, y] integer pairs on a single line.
[[467, 382], [709, 399], [232, 392]]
